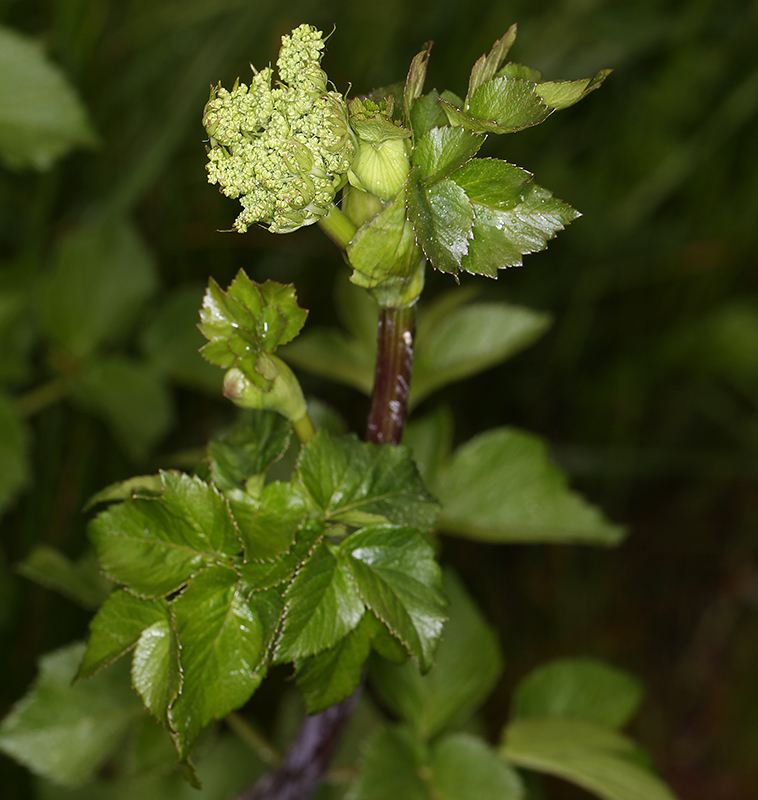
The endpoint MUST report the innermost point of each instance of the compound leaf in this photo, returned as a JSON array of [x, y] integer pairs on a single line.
[[222, 644], [322, 606], [400, 581], [440, 151], [359, 483]]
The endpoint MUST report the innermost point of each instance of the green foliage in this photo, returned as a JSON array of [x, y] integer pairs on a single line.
[[502, 487], [42, 118], [594, 757], [66, 733], [14, 466], [580, 688]]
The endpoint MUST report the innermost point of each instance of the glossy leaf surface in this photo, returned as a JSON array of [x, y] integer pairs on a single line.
[[400, 581], [467, 664], [156, 674], [223, 642], [360, 483]]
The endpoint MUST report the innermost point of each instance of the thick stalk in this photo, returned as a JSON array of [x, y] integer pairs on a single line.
[[308, 758]]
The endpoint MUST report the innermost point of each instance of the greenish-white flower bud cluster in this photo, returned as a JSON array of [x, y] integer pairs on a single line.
[[284, 152]]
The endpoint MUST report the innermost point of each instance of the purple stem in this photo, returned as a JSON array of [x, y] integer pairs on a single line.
[[308, 758]]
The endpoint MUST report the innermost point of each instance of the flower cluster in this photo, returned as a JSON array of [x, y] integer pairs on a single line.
[[283, 151]]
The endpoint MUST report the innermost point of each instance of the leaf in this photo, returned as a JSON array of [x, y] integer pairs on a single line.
[[359, 483], [426, 114], [248, 321], [171, 342], [259, 576], [443, 220], [116, 629], [100, 279], [512, 215], [467, 664], [598, 759], [487, 66], [268, 524], [442, 150], [430, 439], [322, 607], [66, 732], [41, 116], [80, 581], [470, 340], [414, 83], [562, 94], [330, 353], [384, 249], [14, 457], [222, 644], [334, 674], [502, 487], [250, 447], [156, 674], [392, 760], [140, 486], [581, 688], [400, 581], [155, 546], [129, 397], [463, 767]]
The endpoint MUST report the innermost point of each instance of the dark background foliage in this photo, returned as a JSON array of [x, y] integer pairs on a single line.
[[646, 385]]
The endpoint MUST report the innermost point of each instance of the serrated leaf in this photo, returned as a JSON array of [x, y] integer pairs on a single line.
[[250, 447], [130, 398], [41, 116], [487, 66], [562, 94], [391, 764], [171, 342], [14, 458], [259, 576], [494, 184], [268, 524], [154, 546], [144, 486], [502, 487], [414, 83], [470, 340], [580, 688], [334, 674], [384, 249], [248, 321], [156, 674], [443, 150], [80, 581], [598, 759], [359, 483], [328, 352], [443, 220], [66, 732], [464, 767], [400, 581], [512, 70], [426, 114], [101, 277], [222, 644], [116, 629], [467, 664], [322, 606]]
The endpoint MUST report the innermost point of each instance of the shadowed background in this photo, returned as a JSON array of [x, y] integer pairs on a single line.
[[646, 384]]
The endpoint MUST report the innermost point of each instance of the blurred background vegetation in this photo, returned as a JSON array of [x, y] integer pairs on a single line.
[[646, 385]]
